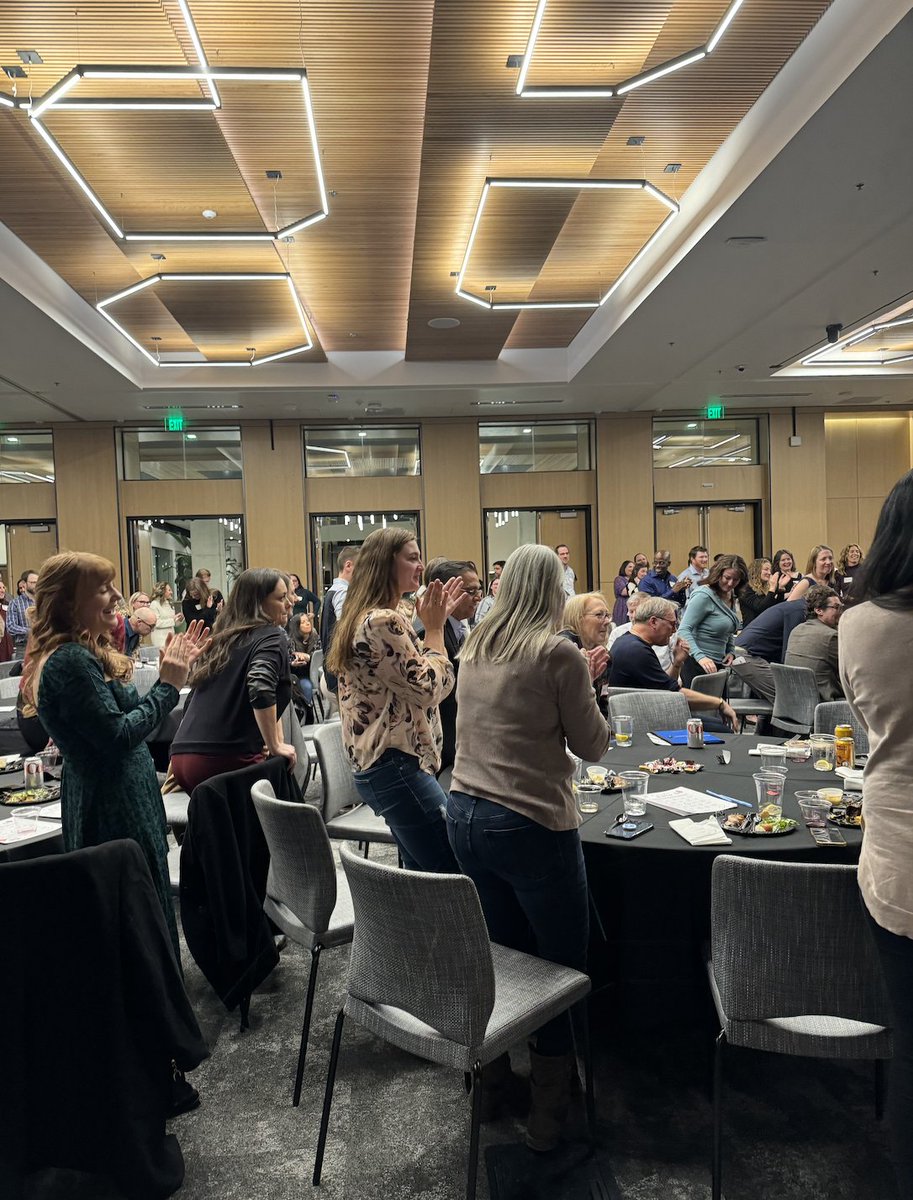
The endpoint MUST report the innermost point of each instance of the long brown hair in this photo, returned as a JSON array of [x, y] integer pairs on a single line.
[[726, 562], [371, 586], [65, 582], [755, 582], [243, 612]]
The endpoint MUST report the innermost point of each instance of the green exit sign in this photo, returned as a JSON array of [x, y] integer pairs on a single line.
[[715, 412], [174, 423]]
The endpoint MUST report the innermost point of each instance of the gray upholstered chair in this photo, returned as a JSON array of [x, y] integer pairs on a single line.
[[6, 668], [792, 969], [796, 698], [177, 805], [650, 710], [712, 685], [345, 815], [456, 1000], [315, 674], [838, 712], [9, 688], [307, 895]]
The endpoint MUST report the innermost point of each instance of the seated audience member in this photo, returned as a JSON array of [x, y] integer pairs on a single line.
[[621, 589], [711, 618], [763, 643], [661, 582], [240, 687], [757, 596], [304, 598], [818, 569], [488, 602], [634, 665], [456, 629], [587, 624], [663, 653], [814, 643], [139, 624], [698, 566], [511, 815], [303, 641], [848, 566]]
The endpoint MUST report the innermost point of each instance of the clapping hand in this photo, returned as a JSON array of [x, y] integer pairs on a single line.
[[597, 660], [191, 645], [438, 601]]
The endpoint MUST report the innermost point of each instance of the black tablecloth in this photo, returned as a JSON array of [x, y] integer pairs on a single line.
[[652, 894]]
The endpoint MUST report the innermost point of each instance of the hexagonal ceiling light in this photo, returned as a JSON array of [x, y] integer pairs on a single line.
[[585, 184], [627, 85]]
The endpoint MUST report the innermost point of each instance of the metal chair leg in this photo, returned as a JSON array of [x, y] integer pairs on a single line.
[[472, 1167], [879, 1088], [584, 1022], [306, 1023], [244, 1010], [717, 1169], [328, 1098]]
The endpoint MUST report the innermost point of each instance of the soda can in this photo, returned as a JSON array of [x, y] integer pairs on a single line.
[[33, 772], [695, 728]]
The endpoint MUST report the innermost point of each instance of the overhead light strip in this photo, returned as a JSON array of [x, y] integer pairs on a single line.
[[215, 277], [823, 357], [610, 91], [198, 48], [585, 184]]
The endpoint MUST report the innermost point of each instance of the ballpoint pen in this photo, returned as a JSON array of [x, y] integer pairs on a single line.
[[732, 799]]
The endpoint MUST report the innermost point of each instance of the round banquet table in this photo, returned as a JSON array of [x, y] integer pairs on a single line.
[[651, 895]]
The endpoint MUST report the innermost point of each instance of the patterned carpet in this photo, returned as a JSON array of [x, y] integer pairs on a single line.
[[795, 1129]]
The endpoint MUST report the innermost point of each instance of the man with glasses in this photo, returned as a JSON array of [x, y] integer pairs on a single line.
[[814, 643], [635, 665], [455, 630], [661, 582], [139, 624]]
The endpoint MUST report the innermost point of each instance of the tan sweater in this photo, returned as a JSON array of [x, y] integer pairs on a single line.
[[876, 657], [512, 723]]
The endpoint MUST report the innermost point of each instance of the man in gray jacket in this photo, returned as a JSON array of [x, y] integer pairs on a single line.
[[814, 643]]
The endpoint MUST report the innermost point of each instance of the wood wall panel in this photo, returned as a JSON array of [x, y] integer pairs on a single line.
[[450, 479], [27, 549], [843, 520], [883, 453], [841, 457], [624, 486], [712, 485], [538, 489], [797, 483], [27, 502], [85, 463], [182, 498], [274, 522], [866, 455], [393, 493]]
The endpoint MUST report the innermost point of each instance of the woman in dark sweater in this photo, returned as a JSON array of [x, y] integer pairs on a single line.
[[242, 686], [757, 595]]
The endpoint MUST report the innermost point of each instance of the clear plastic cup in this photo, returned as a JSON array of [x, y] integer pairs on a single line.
[[824, 751], [635, 793], [814, 812], [588, 797], [772, 756], [624, 732], [769, 788], [830, 795]]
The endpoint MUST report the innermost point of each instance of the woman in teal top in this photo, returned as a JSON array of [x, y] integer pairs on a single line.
[[711, 618], [81, 687]]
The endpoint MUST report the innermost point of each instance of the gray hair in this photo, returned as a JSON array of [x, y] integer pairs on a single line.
[[636, 600], [527, 611], [654, 606]]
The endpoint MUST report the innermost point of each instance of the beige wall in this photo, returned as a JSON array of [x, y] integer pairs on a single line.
[[830, 488]]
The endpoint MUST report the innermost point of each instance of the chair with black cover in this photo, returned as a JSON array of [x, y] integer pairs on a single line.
[[343, 811], [307, 895], [651, 710], [832, 713], [454, 999], [796, 698], [792, 969], [315, 674]]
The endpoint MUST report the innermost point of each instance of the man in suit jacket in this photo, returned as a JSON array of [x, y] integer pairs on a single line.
[[455, 630], [814, 644]]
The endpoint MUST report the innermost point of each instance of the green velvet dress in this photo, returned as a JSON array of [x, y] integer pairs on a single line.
[[109, 787]]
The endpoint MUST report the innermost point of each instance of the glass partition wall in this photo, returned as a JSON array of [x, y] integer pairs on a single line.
[[331, 532], [172, 549]]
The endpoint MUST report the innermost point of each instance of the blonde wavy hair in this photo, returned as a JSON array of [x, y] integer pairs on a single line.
[[575, 610], [65, 582]]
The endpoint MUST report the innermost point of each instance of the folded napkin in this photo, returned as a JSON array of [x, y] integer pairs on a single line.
[[700, 833]]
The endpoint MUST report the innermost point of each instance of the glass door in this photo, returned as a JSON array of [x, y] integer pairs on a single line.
[[332, 532], [172, 549], [506, 529]]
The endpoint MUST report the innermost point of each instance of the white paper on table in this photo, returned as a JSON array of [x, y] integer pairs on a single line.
[[657, 741], [51, 812], [7, 708], [852, 778], [701, 833], [685, 801], [11, 831]]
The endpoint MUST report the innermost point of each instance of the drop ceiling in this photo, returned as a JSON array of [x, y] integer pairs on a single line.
[[415, 108]]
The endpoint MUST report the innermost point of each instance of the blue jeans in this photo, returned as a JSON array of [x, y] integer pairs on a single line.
[[532, 885], [412, 803], [307, 689]]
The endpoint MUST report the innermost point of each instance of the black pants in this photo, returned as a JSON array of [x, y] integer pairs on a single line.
[[896, 954]]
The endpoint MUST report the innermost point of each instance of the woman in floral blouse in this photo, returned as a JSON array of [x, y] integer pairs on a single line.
[[390, 686]]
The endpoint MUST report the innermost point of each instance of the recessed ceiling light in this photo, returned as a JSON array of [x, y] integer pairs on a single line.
[[443, 322], [527, 430], [12, 439], [362, 433], [191, 437], [210, 214], [691, 425]]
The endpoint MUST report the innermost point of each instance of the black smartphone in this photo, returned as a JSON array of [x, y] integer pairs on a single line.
[[629, 829]]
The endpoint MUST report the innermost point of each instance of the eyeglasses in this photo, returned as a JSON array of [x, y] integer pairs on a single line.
[[833, 607], [474, 591], [669, 620]]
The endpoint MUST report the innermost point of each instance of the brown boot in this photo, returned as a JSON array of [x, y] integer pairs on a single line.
[[502, 1090], [550, 1078]]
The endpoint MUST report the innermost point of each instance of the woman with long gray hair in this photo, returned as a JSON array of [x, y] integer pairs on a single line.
[[523, 693], [241, 687]]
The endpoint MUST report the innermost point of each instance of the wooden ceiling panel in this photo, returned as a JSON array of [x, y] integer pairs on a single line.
[[146, 318], [224, 318], [518, 228]]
